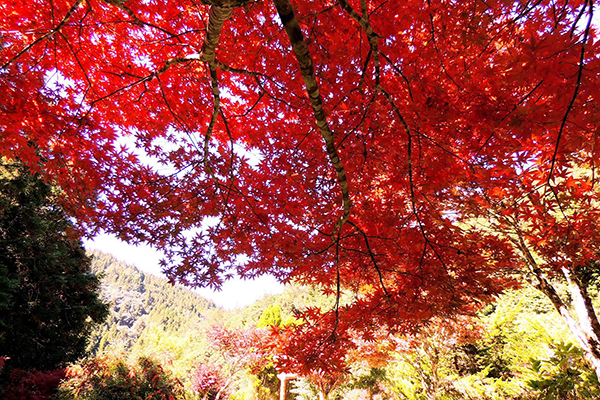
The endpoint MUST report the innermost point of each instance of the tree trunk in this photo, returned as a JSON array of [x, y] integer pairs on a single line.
[[300, 49], [588, 325], [585, 326], [282, 389]]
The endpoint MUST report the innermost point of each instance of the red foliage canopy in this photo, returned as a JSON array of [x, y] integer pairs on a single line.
[[207, 379], [241, 348], [421, 150]]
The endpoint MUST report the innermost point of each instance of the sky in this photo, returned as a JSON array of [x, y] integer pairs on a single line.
[[236, 293]]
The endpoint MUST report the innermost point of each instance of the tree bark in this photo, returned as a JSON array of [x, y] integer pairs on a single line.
[[586, 318], [300, 49], [216, 19], [585, 326]]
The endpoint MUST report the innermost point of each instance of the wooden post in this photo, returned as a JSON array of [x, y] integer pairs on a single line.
[[283, 378]]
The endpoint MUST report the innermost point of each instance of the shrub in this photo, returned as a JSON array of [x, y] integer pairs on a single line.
[[107, 378], [32, 384], [208, 381], [564, 376]]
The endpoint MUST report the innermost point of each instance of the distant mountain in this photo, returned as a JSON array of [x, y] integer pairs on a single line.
[[145, 309], [151, 317]]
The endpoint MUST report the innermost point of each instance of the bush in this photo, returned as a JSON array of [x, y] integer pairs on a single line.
[[208, 381], [32, 384], [564, 376], [107, 378]]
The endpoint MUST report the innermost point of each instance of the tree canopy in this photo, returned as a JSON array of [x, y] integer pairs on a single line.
[[416, 153]]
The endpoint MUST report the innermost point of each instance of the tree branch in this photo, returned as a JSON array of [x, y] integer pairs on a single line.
[[572, 102], [46, 36], [300, 48], [216, 19], [120, 4], [372, 37]]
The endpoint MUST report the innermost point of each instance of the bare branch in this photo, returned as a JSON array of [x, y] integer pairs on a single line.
[[213, 119], [577, 85], [372, 37], [568, 111], [120, 4], [169, 63], [372, 256]]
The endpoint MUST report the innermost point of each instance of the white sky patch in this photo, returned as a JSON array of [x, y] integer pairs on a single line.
[[143, 60], [57, 82], [235, 293], [253, 156], [128, 141]]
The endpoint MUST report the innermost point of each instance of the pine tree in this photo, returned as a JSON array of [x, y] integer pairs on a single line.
[[48, 299]]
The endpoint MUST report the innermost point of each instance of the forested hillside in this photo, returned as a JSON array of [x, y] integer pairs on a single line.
[[149, 317], [144, 305], [515, 348], [147, 314]]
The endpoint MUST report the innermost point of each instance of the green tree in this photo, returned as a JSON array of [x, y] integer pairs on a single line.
[[48, 298]]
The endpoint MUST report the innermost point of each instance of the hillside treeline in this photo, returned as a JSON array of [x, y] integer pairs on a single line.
[[166, 340], [515, 348]]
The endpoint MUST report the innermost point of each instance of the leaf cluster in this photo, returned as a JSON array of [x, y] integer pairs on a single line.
[[564, 376], [106, 378]]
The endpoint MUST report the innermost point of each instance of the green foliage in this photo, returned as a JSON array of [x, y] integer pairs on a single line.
[[564, 376], [369, 380], [150, 317], [267, 384], [303, 389], [521, 325], [49, 300], [589, 276], [169, 323], [140, 304], [107, 378], [294, 298]]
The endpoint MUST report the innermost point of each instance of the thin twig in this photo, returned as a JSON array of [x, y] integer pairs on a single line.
[[46, 36]]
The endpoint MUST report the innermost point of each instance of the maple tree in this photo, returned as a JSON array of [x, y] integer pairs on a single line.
[[416, 153], [308, 348], [313, 351], [241, 350], [208, 381]]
